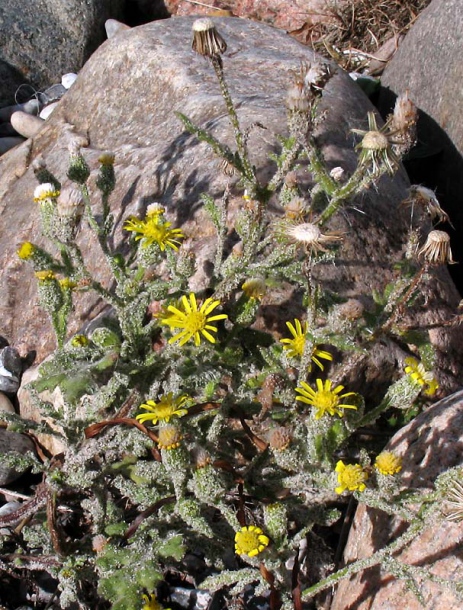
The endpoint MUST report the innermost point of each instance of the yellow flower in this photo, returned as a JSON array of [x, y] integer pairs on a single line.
[[153, 230], [416, 371], [45, 276], [194, 322], [26, 251], [45, 192], [163, 410], [254, 288], [250, 541], [351, 477], [151, 602], [79, 341], [67, 284], [295, 346], [324, 399], [169, 437], [107, 158], [387, 463]]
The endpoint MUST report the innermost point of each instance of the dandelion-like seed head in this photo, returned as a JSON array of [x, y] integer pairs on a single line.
[[70, 204], [402, 124], [352, 309], [250, 541], [416, 371], [45, 192], [297, 99], [279, 438], [307, 235], [351, 477], [326, 401], [193, 321], [206, 39], [453, 504], [421, 195], [374, 140], [376, 149], [169, 437], [254, 288], [201, 458], [26, 251], [169, 406], [436, 249], [388, 463], [155, 209]]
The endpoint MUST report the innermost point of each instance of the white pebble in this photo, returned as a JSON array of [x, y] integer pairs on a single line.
[[68, 79], [45, 113], [114, 27]]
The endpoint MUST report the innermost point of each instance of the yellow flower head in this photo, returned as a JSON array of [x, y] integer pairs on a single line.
[[324, 399], [295, 346], [169, 437], [107, 158], [416, 371], [351, 477], [154, 230], [45, 276], [192, 321], [387, 463], [151, 602], [26, 251], [45, 192], [67, 284], [163, 410], [79, 341], [254, 288], [250, 541]]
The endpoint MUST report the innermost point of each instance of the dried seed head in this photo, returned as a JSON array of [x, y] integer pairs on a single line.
[[317, 75], [279, 438], [436, 249], [427, 198], [70, 204], [206, 39], [351, 310], [297, 98], [374, 140], [402, 123], [337, 173], [295, 208], [307, 234]]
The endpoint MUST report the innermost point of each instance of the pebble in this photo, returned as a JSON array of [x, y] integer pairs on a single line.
[[7, 509], [10, 369], [114, 27], [52, 94], [12, 441], [47, 111], [8, 143], [67, 80], [25, 124], [31, 107], [5, 405]]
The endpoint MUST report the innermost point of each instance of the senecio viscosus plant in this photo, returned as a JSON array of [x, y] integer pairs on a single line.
[[189, 435]]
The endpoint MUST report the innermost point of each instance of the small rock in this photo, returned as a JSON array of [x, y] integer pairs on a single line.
[[12, 441], [5, 405], [67, 80], [53, 93], [114, 27], [10, 370], [25, 124], [48, 110], [31, 107], [7, 509], [8, 143]]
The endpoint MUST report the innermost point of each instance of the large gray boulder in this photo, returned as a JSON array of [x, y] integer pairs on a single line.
[[125, 100], [43, 39], [429, 64]]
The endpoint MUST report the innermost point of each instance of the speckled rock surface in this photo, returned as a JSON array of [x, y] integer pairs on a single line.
[[12, 442], [429, 445], [43, 39], [429, 64], [125, 100]]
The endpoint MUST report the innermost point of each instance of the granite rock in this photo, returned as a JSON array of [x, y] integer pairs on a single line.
[[117, 104], [25, 124]]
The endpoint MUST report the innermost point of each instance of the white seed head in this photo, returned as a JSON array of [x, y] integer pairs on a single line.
[[45, 191], [374, 140], [206, 39], [436, 249]]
